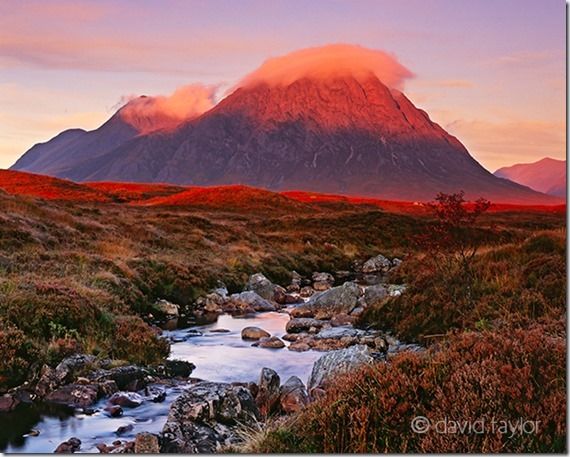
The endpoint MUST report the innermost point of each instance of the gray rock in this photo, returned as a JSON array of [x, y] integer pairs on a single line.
[[378, 264], [396, 262], [167, 308], [74, 395], [341, 299], [68, 368], [334, 363], [253, 300], [253, 333], [128, 377], [338, 333], [302, 324], [262, 286], [126, 399], [375, 294], [206, 416], [179, 368], [293, 395]]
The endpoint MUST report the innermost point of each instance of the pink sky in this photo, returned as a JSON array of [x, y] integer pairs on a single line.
[[491, 72]]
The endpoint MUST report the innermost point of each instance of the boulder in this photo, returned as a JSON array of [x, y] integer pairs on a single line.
[[212, 303], [341, 299], [250, 299], [167, 308], [206, 416], [302, 324], [69, 446], [375, 294], [253, 333], [396, 262], [146, 443], [179, 368], [293, 395], [128, 377], [378, 264], [271, 342], [334, 363], [69, 367], [267, 398], [126, 399], [262, 286], [74, 395]]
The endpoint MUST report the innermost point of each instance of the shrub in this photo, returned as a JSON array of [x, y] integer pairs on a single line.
[[506, 375], [16, 351], [138, 342], [514, 283]]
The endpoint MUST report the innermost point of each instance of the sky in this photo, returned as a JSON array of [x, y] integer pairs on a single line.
[[491, 72]]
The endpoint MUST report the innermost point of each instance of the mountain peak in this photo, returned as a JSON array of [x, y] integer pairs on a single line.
[[330, 62], [151, 113]]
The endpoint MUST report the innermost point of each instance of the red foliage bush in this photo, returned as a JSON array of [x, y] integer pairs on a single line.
[[138, 342]]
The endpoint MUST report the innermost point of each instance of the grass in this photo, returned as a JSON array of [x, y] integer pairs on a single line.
[[83, 276]]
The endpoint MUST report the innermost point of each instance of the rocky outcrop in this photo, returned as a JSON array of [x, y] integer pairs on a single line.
[[334, 363], [377, 264], [302, 324], [263, 287], [341, 299], [249, 300], [205, 417]]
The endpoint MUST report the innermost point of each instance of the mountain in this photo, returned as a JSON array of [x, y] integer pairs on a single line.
[[546, 175], [63, 154], [323, 130]]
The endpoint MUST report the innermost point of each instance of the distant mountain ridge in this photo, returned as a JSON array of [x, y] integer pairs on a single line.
[[546, 175], [335, 134]]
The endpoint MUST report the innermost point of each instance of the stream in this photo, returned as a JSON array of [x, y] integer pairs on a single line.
[[220, 356]]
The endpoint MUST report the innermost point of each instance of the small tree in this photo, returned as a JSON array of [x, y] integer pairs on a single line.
[[452, 238]]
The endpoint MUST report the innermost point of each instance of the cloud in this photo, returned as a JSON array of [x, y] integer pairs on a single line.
[[501, 143], [152, 113], [335, 60]]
